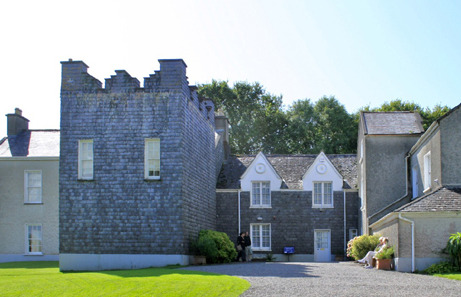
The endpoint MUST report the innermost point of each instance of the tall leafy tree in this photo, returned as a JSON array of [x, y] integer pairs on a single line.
[[336, 131], [255, 116]]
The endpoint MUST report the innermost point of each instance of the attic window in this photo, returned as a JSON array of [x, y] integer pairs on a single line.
[[261, 194], [322, 196]]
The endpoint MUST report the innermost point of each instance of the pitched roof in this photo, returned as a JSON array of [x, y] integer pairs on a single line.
[[392, 123], [291, 169], [441, 199], [31, 143]]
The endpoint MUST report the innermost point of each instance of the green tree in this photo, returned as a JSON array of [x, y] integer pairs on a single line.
[[335, 129], [256, 117], [428, 115]]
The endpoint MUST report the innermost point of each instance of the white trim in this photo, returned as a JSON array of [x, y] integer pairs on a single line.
[[29, 158], [260, 154], [323, 205], [147, 175], [427, 160], [311, 168], [26, 186], [255, 248], [27, 243], [260, 204], [227, 190], [81, 159], [95, 262]]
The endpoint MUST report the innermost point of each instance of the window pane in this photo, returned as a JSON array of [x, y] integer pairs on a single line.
[[317, 193], [87, 168], [327, 190], [34, 194], [256, 240], [266, 239], [35, 239], [35, 179], [266, 193], [256, 194]]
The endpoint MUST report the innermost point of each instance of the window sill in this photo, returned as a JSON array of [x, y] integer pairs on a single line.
[[427, 190], [85, 179], [261, 250], [33, 203], [34, 254], [260, 206], [323, 206], [152, 179]]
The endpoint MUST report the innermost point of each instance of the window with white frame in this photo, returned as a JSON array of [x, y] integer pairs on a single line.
[[427, 171], [33, 239], [32, 186], [323, 194], [352, 233], [152, 159], [85, 159], [261, 194], [261, 237]]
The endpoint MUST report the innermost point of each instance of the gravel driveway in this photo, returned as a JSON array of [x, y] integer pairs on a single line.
[[332, 279]]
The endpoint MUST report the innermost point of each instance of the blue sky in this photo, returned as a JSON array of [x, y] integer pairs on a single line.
[[361, 52]]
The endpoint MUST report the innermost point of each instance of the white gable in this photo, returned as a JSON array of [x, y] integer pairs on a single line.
[[260, 170], [322, 170]]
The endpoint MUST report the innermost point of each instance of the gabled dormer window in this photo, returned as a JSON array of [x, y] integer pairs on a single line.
[[261, 194], [322, 195]]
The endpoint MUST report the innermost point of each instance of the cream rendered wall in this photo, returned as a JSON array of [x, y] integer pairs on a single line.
[[15, 214]]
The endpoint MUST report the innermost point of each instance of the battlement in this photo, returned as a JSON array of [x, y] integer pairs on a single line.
[[75, 78]]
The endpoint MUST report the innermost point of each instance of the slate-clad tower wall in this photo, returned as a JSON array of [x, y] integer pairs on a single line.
[[118, 219]]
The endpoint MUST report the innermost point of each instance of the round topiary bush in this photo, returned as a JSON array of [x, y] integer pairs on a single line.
[[215, 246], [361, 245]]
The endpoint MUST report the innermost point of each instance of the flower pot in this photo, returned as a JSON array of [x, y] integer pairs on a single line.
[[199, 260], [384, 264]]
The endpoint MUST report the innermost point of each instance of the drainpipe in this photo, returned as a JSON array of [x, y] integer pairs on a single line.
[[345, 243], [239, 209], [412, 240]]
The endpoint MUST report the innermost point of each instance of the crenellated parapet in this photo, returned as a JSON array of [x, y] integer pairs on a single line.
[[170, 79]]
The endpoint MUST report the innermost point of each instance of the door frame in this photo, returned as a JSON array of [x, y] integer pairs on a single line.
[[316, 255]]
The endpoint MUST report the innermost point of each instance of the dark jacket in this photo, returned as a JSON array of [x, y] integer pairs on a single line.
[[241, 241], [247, 240]]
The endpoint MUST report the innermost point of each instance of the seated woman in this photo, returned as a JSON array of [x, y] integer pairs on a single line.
[[369, 256]]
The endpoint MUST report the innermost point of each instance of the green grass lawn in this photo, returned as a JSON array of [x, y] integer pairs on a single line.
[[456, 276], [45, 279]]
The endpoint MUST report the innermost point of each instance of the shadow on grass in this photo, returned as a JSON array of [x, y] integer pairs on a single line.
[[270, 269], [30, 265]]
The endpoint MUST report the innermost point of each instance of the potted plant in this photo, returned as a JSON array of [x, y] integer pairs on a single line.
[[384, 258]]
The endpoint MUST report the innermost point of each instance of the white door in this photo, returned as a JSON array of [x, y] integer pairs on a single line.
[[322, 246]]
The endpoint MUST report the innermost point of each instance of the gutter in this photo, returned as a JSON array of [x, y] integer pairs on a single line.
[[412, 240], [239, 210], [345, 229]]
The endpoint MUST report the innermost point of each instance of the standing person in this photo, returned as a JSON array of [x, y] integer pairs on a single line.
[[248, 251], [241, 247]]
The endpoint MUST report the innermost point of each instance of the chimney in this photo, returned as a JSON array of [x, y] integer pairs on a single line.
[[16, 123], [222, 124]]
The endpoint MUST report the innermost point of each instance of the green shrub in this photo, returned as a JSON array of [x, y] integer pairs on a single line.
[[454, 249], [361, 245], [386, 253], [440, 268], [215, 246]]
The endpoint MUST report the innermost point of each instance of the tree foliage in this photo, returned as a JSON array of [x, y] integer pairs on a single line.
[[259, 122], [428, 115], [256, 117]]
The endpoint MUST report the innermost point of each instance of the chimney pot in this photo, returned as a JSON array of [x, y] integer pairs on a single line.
[[18, 111]]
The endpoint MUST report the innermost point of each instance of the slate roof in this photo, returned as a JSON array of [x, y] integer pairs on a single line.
[[31, 143], [441, 199], [392, 123], [290, 167]]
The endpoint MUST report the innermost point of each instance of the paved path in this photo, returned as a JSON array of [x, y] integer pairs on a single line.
[[332, 279]]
